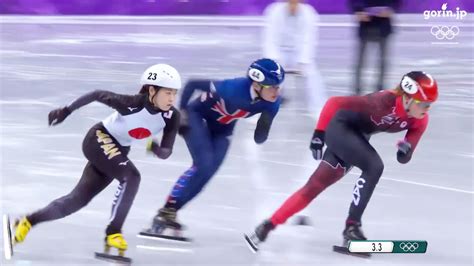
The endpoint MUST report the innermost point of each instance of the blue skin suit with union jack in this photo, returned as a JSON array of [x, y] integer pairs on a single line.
[[211, 119]]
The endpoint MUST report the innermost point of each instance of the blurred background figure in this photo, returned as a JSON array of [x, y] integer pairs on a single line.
[[375, 25], [289, 37]]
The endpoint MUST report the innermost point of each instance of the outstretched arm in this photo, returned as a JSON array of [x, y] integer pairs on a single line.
[[263, 127], [116, 101], [169, 134], [265, 123]]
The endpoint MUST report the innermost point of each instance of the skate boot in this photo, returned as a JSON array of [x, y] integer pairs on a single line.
[[353, 231], [114, 241], [165, 226], [166, 218], [259, 235], [21, 227]]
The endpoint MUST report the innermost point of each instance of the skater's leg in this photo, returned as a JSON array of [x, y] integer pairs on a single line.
[[220, 144], [123, 198], [199, 142], [207, 150], [177, 190], [354, 148], [193, 183], [107, 155], [372, 168], [91, 183], [329, 171]]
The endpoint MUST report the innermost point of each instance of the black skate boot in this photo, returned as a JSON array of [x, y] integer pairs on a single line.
[[353, 231], [165, 226], [166, 218], [259, 235]]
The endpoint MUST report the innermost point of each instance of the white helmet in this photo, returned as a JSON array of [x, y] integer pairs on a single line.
[[161, 75]]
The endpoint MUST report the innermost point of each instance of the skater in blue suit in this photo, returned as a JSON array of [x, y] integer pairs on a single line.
[[207, 124]]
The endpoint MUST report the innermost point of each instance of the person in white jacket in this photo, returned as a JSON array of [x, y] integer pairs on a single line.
[[289, 37]]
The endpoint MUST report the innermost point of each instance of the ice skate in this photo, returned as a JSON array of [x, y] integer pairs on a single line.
[[351, 232], [114, 241], [259, 235], [165, 227]]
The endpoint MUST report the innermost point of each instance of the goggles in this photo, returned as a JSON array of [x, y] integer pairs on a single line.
[[422, 104], [277, 87]]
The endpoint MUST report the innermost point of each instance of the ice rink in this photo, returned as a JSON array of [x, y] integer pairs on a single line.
[[46, 62]]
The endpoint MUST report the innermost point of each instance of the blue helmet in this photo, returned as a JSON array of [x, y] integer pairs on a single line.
[[266, 72]]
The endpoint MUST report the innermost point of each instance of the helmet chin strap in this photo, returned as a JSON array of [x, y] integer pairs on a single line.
[[259, 96]]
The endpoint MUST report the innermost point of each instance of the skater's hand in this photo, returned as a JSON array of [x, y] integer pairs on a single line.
[[404, 151], [317, 144], [152, 146], [404, 147], [58, 115], [183, 122]]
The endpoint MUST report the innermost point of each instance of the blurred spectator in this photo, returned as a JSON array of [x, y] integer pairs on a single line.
[[289, 37], [374, 17]]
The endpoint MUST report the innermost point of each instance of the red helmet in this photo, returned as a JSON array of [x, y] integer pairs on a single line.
[[420, 86]]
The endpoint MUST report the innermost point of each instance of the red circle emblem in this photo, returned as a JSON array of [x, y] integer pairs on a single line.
[[139, 133]]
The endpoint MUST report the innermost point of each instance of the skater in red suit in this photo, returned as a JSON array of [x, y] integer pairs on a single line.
[[345, 126]]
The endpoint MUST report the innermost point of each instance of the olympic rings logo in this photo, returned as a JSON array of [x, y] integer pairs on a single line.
[[409, 247], [445, 32]]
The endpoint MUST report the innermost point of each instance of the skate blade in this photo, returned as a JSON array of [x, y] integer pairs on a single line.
[[7, 238], [149, 234], [250, 244], [113, 258], [345, 251]]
